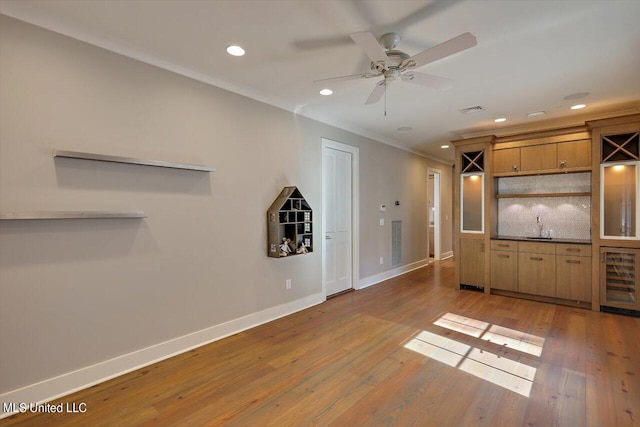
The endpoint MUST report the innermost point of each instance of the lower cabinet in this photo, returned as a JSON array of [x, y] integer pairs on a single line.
[[504, 265], [542, 269], [573, 278], [537, 274], [472, 262]]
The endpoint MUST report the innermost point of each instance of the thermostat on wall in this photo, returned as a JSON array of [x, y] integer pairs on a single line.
[[383, 207]]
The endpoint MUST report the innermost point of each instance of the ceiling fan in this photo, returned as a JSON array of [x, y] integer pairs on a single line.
[[392, 64]]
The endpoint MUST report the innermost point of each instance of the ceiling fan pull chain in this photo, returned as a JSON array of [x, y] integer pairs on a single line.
[[385, 98]]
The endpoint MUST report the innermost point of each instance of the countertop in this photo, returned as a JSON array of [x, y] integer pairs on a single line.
[[552, 240]]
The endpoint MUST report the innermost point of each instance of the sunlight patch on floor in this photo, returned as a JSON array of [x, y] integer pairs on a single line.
[[465, 325], [509, 374]]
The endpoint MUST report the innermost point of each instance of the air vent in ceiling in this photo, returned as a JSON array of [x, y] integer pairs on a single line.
[[470, 110]]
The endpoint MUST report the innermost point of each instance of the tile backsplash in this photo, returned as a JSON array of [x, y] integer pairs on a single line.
[[562, 217]]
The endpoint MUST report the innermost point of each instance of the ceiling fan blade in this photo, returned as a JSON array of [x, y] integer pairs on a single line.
[[429, 80], [371, 47], [377, 92], [349, 77], [454, 45]]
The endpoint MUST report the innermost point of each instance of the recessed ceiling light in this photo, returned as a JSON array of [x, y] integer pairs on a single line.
[[235, 50], [326, 92], [578, 106], [404, 128], [536, 113], [500, 119], [576, 96], [444, 146]]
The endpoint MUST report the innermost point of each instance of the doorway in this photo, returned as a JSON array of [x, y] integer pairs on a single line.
[[433, 206], [339, 217]]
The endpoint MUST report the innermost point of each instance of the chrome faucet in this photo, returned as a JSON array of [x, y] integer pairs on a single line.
[[540, 225]]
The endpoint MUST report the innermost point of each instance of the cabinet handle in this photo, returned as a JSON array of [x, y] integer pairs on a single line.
[[563, 163], [570, 261], [503, 245], [532, 258], [482, 247], [503, 256], [515, 167], [573, 250]]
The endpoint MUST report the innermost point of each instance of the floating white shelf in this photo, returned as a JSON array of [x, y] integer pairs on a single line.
[[70, 215], [130, 160]]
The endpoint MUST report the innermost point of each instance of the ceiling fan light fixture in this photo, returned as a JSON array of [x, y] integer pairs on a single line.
[[578, 106], [500, 119], [326, 92], [235, 50]]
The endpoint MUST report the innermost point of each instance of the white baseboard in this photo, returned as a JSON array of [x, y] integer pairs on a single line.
[[381, 277], [54, 388], [446, 255]]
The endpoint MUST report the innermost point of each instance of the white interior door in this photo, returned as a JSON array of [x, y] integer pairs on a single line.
[[433, 195], [337, 191]]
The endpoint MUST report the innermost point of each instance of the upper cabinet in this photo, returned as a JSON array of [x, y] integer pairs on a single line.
[[574, 154], [549, 153]]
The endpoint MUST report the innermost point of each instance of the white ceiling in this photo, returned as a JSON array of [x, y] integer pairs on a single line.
[[530, 55]]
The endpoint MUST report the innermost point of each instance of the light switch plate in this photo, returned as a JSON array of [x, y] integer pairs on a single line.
[[381, 221]]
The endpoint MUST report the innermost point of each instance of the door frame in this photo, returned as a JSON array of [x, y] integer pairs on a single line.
[[437, 175], [355, 210]]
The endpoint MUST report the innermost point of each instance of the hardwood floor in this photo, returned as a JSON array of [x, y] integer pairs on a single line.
[[411, 351]]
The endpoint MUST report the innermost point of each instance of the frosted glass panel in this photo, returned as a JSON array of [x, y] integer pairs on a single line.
[[472, 203], [619, 200]]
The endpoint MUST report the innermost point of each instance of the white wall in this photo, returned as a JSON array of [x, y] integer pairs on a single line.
[[75, 293]]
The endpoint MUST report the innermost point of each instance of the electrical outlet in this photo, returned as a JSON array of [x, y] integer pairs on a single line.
[[287, 283], [381, 260]]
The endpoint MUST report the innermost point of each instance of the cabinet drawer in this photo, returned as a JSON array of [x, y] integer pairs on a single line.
[[537, 248], [504, 245], [574, 250]]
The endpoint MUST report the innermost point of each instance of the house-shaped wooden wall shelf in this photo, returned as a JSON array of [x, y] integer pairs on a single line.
[[289, 217]]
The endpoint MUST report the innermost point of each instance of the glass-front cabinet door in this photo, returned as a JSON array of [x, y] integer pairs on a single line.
[[472, 202], [619, 201], [620, 187], [472, 192]]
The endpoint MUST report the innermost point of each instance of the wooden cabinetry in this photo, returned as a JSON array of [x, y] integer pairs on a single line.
[[537, 269], [537, 158], [504, 265], [573, 272], [555, 157], [472, 251], [542, 269], [574, 154], [506, 161]]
